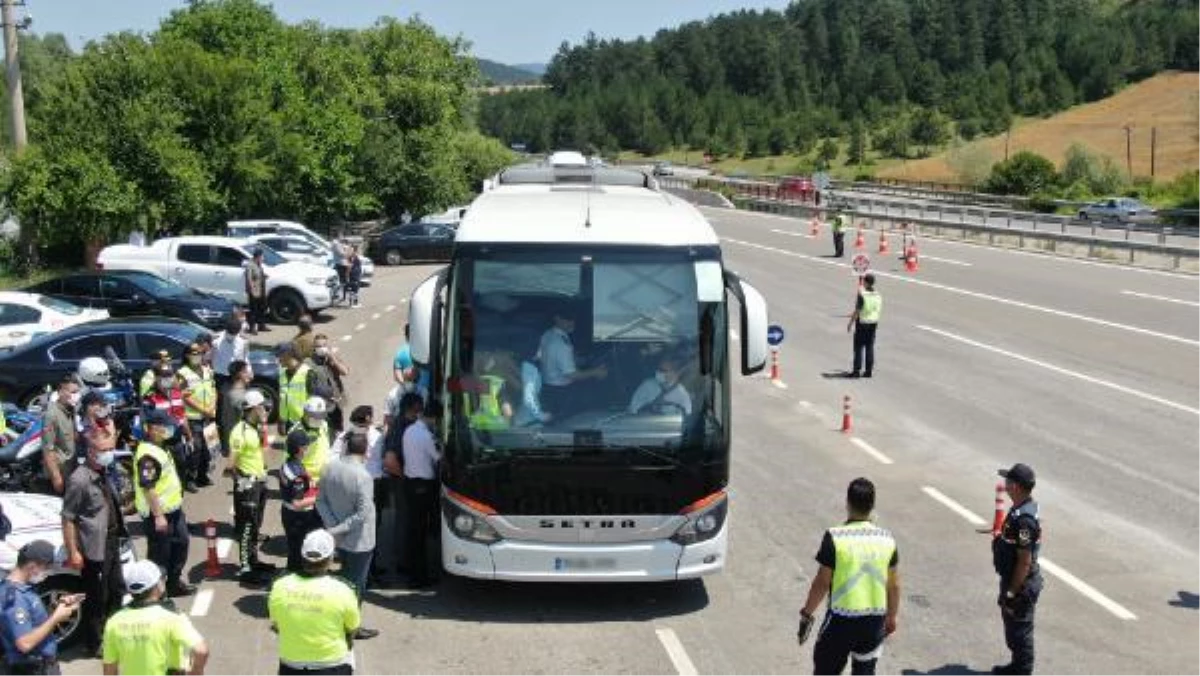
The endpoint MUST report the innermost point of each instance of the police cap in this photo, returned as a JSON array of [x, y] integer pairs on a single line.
[[1020, 474]]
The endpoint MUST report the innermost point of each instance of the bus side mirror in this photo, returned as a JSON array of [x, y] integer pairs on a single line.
[[423, 315], [754, 323]]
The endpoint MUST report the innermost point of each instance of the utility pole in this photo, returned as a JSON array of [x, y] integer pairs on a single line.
[[1153, 148], [12, 70], [1129, 150]]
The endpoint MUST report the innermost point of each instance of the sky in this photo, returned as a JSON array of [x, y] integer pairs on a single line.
[[509, 31]]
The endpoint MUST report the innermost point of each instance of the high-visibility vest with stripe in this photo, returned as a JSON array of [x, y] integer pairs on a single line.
[[146, 383], [839, 223], [168, 488], [871, 308], [246, 445], [317, 455], [293, 393], [201, 387], [862, 554], [489, 416]]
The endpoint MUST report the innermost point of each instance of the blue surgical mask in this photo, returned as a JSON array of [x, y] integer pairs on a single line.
[[105, 458], [169, 431]]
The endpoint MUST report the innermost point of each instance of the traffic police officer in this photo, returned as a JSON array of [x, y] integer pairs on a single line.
[[146, 384], [296, 381], [298, 498], [858, 571], [316, 426], [26, 629], [839, 234], [864, 320], [1015, 557], [149, 636], [247, 441], [200, 402], [315, 613], [158, 496]]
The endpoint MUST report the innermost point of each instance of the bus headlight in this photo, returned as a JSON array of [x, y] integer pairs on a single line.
[[467, 523], [704, 519]]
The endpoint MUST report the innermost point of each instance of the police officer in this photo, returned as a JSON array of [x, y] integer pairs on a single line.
[[247, 459], [158, 496], [858, 571], [316, 427], [200, 403], [167, 396], [296, 382], [26, 629], [1015, 557], [149, 636], [298, 498], [146, 383], [839, 234], [315, 613], [864, 320]]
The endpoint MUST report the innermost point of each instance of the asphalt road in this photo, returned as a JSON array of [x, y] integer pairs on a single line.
[[985, 358]]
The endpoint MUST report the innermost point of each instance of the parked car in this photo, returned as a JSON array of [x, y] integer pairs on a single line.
[[451, 217], [216, 265], [250, 229], [796, 188], [25, 316], [663, 169], [39, 517], [1119, 209], [26, 371], [132, 293], [295, 248], [416, 242]]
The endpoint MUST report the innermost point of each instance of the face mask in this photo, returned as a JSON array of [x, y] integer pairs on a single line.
[[106, 458], [321, 351], [166, 383], [168, 432], [313, 422], [194, 359], [74, 398], [662, 377], [38, 577]]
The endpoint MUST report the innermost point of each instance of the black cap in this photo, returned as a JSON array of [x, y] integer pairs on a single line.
[[296, 440], [37, 551], [159, 417], [285, 349], [361, 414], [91, 398], [1020, 473]]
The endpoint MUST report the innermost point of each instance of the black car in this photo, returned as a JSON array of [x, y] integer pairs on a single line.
[[415, 242], [129, 293], [27, 370]]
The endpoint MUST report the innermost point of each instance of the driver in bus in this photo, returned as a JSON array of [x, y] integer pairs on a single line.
[[662, 393], [562, 383]]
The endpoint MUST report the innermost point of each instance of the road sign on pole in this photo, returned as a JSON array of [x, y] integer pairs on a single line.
[[774, 335], [861, 264]]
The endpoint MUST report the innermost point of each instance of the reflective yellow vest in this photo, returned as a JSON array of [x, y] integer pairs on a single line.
[[313, 615], [293, 394], [489, 416], [201, 387], [872, 307], [863, 552], [146, 383], [317, 455], [149, 639], [245, 445], [839, 223], [168, 488]]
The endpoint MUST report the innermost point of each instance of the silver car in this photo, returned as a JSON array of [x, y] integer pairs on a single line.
[[1119, 209]]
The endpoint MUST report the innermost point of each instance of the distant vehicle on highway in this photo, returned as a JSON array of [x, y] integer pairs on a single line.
[[25, 316], [132, 293], [1119, 209], [796, 188], [415, 243], [663, 169]]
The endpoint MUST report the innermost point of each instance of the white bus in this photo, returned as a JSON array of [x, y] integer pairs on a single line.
[[622, 475]]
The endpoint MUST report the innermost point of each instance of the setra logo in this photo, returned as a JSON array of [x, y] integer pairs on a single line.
[[587, 523]]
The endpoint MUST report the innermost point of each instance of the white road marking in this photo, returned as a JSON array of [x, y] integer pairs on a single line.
[[793, 234], [779, 383], [951, 261], [1162, 298], [1066, 372], [871, 451], [1050, 567], [390, 308], [376, 316], [224, 546], [346, 338], [679, 657], [977, 294], [203, 602], [360, 327]]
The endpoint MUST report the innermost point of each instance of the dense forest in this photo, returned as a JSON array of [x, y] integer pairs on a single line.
[[909, 72]]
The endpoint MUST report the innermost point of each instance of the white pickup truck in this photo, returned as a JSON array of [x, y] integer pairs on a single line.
[[215, 265]]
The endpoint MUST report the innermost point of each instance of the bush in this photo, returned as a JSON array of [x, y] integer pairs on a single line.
[[1098, 173], [1025, 173], [865, 176]]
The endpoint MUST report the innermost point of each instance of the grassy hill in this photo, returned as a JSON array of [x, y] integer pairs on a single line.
[[1168, 102], [501, 74]]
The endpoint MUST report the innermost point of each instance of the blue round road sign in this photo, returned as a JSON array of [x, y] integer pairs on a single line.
[[774, 334]]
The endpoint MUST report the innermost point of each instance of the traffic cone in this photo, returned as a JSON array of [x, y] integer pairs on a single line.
[[910, 258], [883, 242], [998, 519], [847, 425], [816, 227], [860, 241], [212, 568]]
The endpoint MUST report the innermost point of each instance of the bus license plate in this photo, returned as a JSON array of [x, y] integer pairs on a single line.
[[584, 564]]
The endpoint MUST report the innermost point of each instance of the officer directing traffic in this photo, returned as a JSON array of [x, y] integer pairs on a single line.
[[148, 636], [863, 321], [858, 571], [838, 229], [1015, 557], [26, 629]]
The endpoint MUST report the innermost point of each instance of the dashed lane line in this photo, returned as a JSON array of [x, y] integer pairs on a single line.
[[675, 651], [779, 383], [376, 316], [1060, 370], [977, 294], [1162, 298], [789, 233], [950, 261], [871, 451], [202, 603], [389, 308], [1090, 592], [346, 338], [360, 327]]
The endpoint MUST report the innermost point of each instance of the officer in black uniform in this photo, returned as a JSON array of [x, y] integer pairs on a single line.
[[1015, 557]]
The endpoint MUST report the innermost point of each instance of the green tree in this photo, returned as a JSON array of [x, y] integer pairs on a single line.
[[827, 153], [1025, 173], [857, 151], [929, 128]]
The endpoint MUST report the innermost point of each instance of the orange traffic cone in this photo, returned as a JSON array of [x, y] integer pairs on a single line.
[[847, 425], [212, 568], [883, 242], [998, 519], [910, 258], [816, 227], [860, 241]]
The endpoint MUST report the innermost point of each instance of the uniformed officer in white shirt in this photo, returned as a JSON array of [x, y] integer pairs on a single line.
[[421, 456], [662, 393], [559, 373]]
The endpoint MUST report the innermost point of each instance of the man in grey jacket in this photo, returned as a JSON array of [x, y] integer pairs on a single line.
[[347, 507]]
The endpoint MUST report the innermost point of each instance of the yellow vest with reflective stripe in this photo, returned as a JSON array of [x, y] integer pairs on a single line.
[[149, 640], [201, 387], [146, 383], [489, 416], [863, 552], [872, 307], [317, 455], [313, 616], [245, 444], [3, 422], [293, 394], [839, 223], [168, 488]]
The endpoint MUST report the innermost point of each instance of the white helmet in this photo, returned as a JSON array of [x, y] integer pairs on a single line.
[[93, 371], [253, 398], [315, 406]]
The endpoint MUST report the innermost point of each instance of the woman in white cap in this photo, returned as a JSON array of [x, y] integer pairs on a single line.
[[316, 614], [147, 637]]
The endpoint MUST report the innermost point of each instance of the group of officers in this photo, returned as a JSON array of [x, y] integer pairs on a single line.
[[857, 572]]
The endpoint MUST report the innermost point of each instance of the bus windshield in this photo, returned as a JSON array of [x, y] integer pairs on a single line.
[[614, 354]]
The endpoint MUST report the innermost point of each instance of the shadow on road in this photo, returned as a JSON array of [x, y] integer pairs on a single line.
[[561, 603], [1185, 600], [834, 375], [946, 670], [252, 605]]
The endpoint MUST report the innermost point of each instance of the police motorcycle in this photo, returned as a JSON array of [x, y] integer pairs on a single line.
[[21, 453]]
